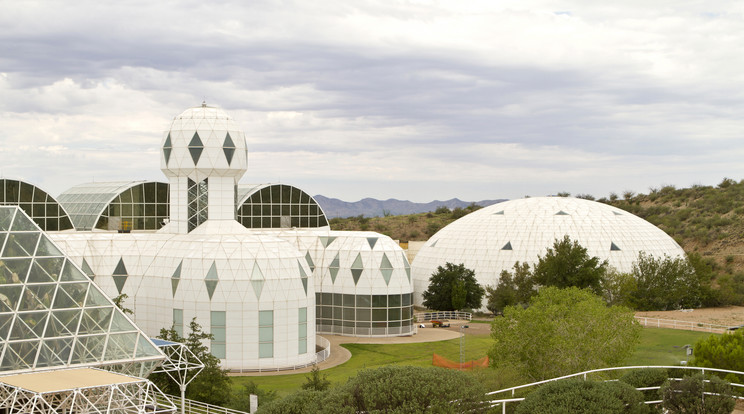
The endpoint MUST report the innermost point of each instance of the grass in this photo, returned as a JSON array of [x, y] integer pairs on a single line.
[[658, 346]]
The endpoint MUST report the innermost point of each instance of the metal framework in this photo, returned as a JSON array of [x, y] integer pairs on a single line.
[[181, 365], [129, 395]]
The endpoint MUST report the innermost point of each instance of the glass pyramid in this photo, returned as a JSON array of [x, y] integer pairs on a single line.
[[51, 314]]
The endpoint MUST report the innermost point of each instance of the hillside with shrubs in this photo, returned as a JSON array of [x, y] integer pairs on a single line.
[[707, 221]]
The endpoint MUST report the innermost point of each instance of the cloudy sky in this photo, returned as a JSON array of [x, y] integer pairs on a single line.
[[416, 100]]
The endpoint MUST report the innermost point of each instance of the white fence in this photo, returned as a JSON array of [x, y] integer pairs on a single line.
[[512, 399], [198, 407], [686, 325], [434, 316], [320, 356]]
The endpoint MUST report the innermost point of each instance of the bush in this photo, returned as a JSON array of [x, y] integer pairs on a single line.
[[442, 210], [686, 396], [649, 377], [579, 396], [721, 351]]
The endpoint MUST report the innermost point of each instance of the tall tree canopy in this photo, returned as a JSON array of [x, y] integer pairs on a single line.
[[568, 264], [563, 331], [453, 287]]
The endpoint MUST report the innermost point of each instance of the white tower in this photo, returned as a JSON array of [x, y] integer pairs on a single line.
[[204, 156]]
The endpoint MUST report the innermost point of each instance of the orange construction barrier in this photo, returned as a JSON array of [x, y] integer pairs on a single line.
[[440, 361]]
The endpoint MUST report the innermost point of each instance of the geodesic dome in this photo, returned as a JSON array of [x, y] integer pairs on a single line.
[[492, 239]]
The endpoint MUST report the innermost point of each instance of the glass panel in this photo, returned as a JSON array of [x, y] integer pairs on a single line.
[[349, 300], [218, 318], [95, 320], [363, 314], [46, 248], [379, 301], [302, 331], [394, 314], [121, 324], [218, 350], [14, 270], [348, 314], [21, 244], [394, 301], [302, 348], [88, 349], [265, 350], [363, 301], [379, 314], [10, 296], [219, 333], [265, 334], [71, 273], [302, 315], [121, 346], [45, 270], [265, 318], [22, 223]]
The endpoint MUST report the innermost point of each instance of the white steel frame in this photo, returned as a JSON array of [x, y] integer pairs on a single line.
[[136, 396]]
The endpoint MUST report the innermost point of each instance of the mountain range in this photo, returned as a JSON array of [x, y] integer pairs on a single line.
[[371, 207]]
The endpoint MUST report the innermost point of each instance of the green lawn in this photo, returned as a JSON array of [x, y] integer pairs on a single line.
[[658, 346]]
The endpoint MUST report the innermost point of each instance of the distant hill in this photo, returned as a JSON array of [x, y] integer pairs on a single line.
[[370, 207]]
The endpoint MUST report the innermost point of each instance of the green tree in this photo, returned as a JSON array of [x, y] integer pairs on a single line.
[[315, 381], [665, 283], [119, 302], [721, 351], [580, 396], [619, 288], [686, 396], [446, 287], [563, 331], [211, 385], [514, 288], [568, 264]]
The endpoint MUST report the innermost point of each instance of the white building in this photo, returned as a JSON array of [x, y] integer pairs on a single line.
[[493, 238], [247, 262]]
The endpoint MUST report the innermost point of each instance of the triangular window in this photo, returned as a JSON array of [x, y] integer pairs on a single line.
[[326, 240], [561, 213], [257, 280], [372, 241], [310, 262], [507, 246], [499, 213], [613, 247], [406, 265]]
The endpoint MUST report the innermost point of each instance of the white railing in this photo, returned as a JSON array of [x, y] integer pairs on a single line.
[[433, 316], [686, 325], [320, 356], [198, 407], [504, 401]]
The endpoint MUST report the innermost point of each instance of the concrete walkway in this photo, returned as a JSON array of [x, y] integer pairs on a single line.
[[339, 354]]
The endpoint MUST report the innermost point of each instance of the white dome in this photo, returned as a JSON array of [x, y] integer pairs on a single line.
[[201, 142], [492, 239]]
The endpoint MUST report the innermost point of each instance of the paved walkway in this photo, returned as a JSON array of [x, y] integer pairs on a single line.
[[339, 354]]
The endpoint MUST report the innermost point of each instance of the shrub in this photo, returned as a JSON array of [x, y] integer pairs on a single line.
[[579, 396], [686, 396], [648, 377], [442, 210]]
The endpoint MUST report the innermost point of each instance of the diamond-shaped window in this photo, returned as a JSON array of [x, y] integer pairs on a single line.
[[406, 265], [357, 268], [333, 268], [386, 268], [211, 280], [176, 278], [310, 262], [196, 147], [167, 148], [228, 147], [120, 275], [257, 280]]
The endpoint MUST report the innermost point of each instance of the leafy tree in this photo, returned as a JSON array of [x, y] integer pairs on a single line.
[[664, 284], [211, 385], [563, 331], [619, 288], [315, 381], [513, 289], [391, 389], [721, 351], [580, 396], [449, 285], [686, 396], [119, 302], [567, 264]]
